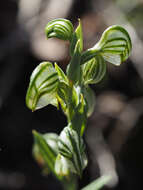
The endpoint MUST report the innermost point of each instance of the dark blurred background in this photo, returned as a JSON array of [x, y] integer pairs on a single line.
[[115, 131]]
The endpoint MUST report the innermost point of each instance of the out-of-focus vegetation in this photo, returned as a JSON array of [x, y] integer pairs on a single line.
[[115, 133]]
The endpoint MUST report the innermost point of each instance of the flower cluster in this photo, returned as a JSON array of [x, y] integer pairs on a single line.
[[65, 155]]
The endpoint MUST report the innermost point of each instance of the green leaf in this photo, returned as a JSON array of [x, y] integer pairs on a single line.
[[115, 46], [61, 74], [97, 184], [73, 69], [79, 117], [94, 70], [73, 105], [46, 149], [68, 98], [43, 86], [51, 139], [76, 47], [77, 36], [71, 146], [90, 99], [59, 28]]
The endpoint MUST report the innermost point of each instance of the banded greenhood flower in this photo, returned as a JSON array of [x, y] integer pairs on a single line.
[[59, 28], [42, 87], [94, 70], [115, 46], [71, 147]]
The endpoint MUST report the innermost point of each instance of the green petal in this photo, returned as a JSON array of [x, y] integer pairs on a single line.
[[42, 88], [59, 28], [63, 166], [71, 146], [115, 45], [94, 70]]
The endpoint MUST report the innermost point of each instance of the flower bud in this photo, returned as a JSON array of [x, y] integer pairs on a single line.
[[59, 28]]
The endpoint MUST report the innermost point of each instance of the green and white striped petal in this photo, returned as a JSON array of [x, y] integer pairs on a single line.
[[94, 70], [43, 86], [71, 146], [115, 45], [63, 166], [59, 28]]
